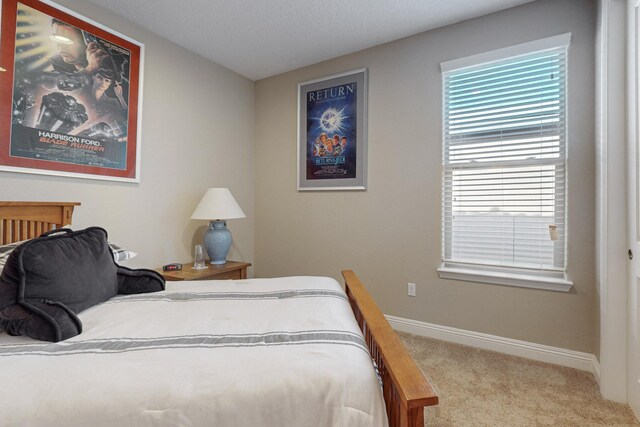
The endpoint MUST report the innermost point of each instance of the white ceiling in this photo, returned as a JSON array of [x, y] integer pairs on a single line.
[[262, 38]]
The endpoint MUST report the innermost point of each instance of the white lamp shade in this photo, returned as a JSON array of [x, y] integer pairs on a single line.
[[218, 203]]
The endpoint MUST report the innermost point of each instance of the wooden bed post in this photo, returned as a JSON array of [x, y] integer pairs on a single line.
[[405, 388]]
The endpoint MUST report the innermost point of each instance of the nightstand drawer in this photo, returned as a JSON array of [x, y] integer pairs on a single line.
[[228, 275]]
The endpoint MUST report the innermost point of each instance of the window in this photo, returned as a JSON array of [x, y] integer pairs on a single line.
[[504, 166]]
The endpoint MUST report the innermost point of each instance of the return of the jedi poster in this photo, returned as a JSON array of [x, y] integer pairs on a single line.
[[73, 94], [332, 132]]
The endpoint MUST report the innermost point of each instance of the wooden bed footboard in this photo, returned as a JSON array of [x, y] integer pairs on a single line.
[[406, 390]]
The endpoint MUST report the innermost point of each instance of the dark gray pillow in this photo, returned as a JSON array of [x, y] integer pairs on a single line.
[[48, 280]]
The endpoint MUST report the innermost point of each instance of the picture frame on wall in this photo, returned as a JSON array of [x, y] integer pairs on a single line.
[[71, 96], [332, 132]]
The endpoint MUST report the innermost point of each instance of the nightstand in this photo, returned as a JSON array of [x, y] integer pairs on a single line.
[[230, 270]]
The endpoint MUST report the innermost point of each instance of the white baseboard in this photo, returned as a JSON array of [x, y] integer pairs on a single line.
[[528, 350]]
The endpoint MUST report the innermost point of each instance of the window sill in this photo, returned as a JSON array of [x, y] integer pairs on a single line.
[[506, 279]]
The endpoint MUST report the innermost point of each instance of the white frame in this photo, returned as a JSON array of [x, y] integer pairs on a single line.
[[360, 181], [551, 280]]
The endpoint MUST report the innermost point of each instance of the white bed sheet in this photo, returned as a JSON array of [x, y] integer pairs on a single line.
[[258, 352]]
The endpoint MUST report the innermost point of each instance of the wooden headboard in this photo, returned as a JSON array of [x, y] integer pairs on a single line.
[[26, 220]]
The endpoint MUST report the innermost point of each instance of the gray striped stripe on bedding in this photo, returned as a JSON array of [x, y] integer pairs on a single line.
[[191, 296], [121, 345]]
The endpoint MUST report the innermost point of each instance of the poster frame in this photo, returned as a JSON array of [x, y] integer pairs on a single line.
[[130, 172], [357, 182]]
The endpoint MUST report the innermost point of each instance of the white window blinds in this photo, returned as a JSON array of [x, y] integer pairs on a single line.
[[504, 156]]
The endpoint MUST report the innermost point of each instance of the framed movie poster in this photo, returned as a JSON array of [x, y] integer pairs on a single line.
[[70, 99], [332, 132]]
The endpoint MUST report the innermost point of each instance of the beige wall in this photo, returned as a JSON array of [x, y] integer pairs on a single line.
[[390, 234], [197, 132]]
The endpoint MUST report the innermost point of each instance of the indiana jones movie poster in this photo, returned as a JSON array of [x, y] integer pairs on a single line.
[[332, 137], [73, 95]]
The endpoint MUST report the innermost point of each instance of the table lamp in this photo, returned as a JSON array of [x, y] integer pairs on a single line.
[[216, 206]]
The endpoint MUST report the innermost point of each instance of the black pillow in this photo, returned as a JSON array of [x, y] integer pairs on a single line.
[[48, 280]]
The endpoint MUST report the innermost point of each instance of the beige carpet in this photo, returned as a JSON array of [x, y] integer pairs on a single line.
[[483, 388]]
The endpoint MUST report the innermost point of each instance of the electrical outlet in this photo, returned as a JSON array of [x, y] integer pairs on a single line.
[[411, 289]]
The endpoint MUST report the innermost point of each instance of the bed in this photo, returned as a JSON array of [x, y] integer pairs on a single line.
[[316, 355]]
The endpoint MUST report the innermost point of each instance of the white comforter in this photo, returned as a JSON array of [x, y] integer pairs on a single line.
[[261, 352]]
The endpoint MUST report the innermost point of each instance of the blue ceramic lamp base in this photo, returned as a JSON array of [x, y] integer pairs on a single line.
[[217, 242]]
